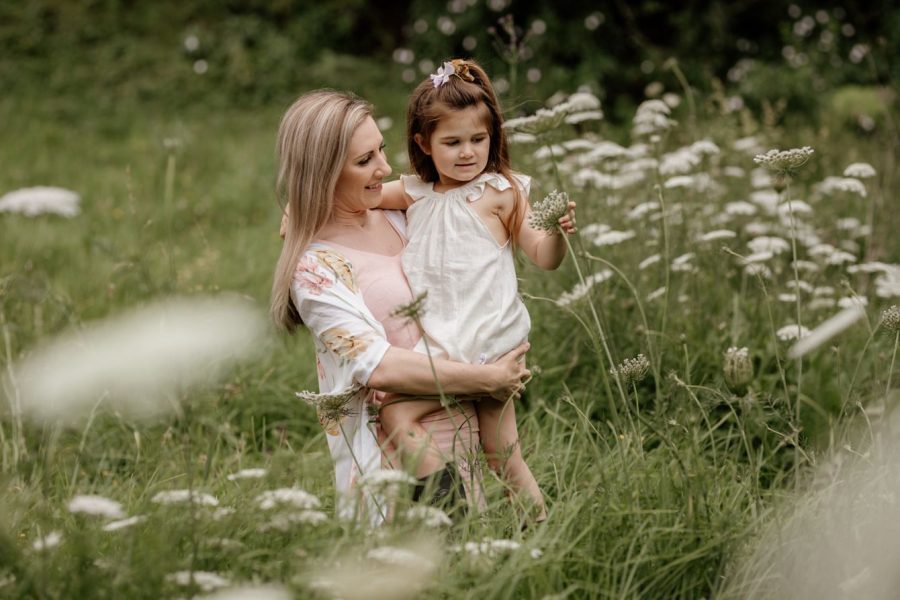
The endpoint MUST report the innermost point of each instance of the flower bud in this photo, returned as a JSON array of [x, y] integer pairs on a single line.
[[890, 318], [738, 369]]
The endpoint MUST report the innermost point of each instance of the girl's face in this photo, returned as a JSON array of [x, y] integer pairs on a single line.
[[359, 184], [459, 145]]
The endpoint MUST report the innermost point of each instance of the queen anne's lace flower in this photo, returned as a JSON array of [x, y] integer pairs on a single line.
[[294, 497], [784, 162], [184, 496], [51, 540], [890, 318], [860, 171], [205, 580], [400, 557], [546, 213], [632, 369], [792, 332], [247, 474], [830, 185], [580, 290], [123, 523], [738, 369], [429, 516], [40, 200], [96, 506]]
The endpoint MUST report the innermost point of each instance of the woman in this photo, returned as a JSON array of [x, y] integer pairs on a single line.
[[339, 274]]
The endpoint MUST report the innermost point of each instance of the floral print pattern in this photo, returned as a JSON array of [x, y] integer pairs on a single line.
[[341, 342], [339, 265], [308, 274]]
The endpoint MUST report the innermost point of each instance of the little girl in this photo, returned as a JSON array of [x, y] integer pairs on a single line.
[[466, 211]]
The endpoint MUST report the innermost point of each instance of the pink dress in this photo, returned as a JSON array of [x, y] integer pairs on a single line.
[[455, 431]]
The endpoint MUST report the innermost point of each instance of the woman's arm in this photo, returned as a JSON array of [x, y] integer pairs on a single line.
[[408, 372]]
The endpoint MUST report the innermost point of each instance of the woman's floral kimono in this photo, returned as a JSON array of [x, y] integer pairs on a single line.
[[350, 344]]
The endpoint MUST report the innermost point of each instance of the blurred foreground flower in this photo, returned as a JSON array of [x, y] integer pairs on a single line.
[[183, 497], [96, 506], [205, 580], [383, 573], [738, 369], [546, 213], [251, 593], [294, 497], [40, 200], [827, 330], [137, 362]]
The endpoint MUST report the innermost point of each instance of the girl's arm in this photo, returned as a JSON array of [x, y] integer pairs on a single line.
[[393, 197], [546, 249], [408, 372]]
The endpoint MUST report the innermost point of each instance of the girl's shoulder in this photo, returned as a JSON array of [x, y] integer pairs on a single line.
[[415, 187], [499, 182]]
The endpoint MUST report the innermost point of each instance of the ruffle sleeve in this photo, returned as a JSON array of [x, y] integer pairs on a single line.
[[499, 183], [415, 187], [328, 302]]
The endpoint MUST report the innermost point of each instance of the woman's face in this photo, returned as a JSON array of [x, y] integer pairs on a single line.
[[359, 184]]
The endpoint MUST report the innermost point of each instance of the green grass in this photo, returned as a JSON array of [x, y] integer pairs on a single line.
[[653, 495]]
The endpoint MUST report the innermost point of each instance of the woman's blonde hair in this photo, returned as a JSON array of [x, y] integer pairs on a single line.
[[313, 141]]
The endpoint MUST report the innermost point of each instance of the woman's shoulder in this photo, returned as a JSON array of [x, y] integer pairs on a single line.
[[320, 266]]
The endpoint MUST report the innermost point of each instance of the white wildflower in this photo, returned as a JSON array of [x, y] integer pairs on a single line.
[[647, 163], [775, 245], [582, 101], [536, 553], [96, 505], [546, 213], [40, 200], [801, 285], [798, 207], [821, 251], [580, 290], [750, 145], [733, 171], [718, 234], [792, 332], [593, 229], [849, 301], [758, 270], [284, 521], [823, 290], [887, 284], [184, 497], [650, 260], [848, 224], [294, 497], [755, 229], [652, 118], [386, 481], [632, 370], [641, 210], [51, 540], [705, 148], [683, 262], [840, 257], [399, 557], [860, 171], [827, 330], [602, 151], [124, 523], [766, 199], [587, 176], [611, 238], [429, 516], [223, 512], [785, 162], [821, 303], [578, 145], [758, 257], [679, 181], [552, 151], [490, 548], [761, 179], [871, 267], [787, 297], [265, 592], [140, 359], [581, 117], [247, 474], [830, 185], [680, 161], [521, 138], [740, 208], [657, 293], [205, 580]]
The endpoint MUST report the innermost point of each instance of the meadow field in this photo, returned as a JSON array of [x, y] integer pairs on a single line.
[[684, 450]]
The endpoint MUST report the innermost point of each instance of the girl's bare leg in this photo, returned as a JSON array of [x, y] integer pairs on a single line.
[[500, 440], [400, 420]]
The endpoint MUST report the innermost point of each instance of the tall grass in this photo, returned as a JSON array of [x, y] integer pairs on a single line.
[[652, 490]]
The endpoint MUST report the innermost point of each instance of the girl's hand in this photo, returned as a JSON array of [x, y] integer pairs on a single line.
[[511, 374], [567, 221]]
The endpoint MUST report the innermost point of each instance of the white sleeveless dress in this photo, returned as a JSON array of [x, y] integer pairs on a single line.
[[473, 312]]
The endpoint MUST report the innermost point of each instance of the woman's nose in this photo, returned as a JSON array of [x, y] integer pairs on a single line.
[[384, 168]]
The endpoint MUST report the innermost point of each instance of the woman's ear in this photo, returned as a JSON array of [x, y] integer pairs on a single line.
[[426, 148]]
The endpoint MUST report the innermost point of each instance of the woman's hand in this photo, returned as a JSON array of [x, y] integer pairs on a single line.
[[511, 374]]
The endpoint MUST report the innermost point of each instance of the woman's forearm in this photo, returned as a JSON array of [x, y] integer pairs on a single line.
[[407, 372]]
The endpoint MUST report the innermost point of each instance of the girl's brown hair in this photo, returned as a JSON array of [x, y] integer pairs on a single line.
[[468, 86]]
